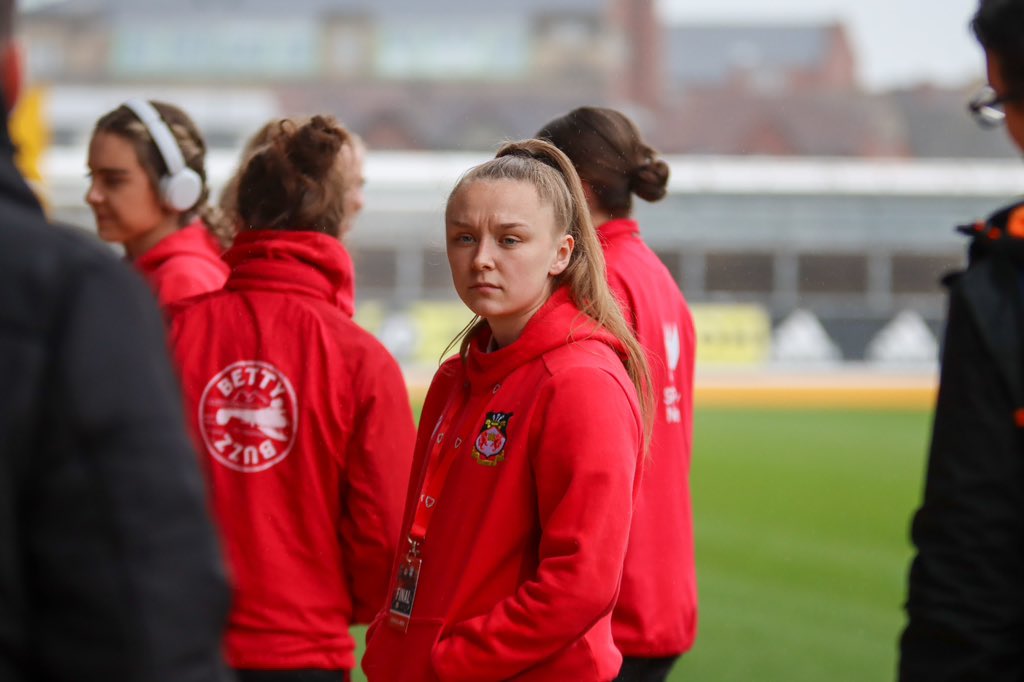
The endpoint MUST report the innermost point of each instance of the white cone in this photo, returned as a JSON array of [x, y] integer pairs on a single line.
[[906, 339], [800, 338]]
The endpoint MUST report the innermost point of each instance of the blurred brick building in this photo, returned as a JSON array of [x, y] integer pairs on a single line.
[[406, 74], [456, 74], [772, 89]]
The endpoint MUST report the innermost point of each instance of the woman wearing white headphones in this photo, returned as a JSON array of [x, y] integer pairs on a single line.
[[148, 192]]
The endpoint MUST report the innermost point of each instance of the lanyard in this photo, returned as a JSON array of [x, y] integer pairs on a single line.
[[439, 465]]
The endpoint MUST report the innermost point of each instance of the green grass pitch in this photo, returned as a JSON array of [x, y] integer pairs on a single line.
[[802, 522]]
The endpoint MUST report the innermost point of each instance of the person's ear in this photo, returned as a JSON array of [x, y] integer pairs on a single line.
[[562, 255], [11, 73]]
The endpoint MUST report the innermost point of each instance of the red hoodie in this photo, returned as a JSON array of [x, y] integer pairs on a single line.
[[523, 552], [346, 296], [305, 423], [656, 614], [187, 263]]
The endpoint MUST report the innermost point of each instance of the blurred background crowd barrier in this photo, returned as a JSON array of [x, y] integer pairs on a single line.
[[789, 263]]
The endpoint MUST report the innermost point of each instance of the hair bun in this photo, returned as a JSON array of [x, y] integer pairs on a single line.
[[314, 148], [649, 181], [297, 180]]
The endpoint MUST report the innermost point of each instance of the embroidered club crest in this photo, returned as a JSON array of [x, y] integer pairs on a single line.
[[248, 415], [489, 448]]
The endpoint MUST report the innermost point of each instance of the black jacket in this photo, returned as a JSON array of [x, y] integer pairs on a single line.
[[109, 567], [965, 604]]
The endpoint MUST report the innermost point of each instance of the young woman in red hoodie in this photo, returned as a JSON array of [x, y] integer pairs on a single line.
[[529, 448], [302, 418], [655, 619], [148, 193]]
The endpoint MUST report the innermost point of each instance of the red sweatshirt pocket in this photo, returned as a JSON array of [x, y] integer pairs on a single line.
[[575, 662], [393, 656]]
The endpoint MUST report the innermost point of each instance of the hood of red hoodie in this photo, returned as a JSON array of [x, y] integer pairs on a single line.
[[296, 261], [346, 293], [558, 323], [192, 240], [618, 228]]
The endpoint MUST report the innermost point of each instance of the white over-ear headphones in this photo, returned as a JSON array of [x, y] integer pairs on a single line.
[[181, 188]]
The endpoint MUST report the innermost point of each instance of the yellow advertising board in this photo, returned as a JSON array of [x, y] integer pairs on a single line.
[[732, 334], [727, 334], [419, 334], [30, 132]]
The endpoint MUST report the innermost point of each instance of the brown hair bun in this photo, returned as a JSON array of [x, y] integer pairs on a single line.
[[649, 181]]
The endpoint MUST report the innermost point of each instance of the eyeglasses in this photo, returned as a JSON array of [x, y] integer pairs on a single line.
[[987, 107]]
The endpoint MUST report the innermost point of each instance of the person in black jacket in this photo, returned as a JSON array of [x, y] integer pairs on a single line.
[[109, 566], [965, 603]]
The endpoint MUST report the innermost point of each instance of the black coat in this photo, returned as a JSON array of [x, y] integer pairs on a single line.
[[109, 567], [965, 604]]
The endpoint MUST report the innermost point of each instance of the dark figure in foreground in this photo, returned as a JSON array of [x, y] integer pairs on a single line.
[[109, 568], [965, 604]]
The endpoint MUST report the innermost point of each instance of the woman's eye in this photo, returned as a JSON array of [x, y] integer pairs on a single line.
[[463, 239], [104, 181], [510, 241]]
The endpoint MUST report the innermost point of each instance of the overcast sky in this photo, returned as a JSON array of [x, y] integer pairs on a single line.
[[898, 42]]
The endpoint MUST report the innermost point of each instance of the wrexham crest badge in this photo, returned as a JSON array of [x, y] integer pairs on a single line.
[[489, 448]]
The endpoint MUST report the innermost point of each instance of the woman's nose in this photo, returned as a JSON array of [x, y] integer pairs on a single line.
[[92, 195], [482, 258]]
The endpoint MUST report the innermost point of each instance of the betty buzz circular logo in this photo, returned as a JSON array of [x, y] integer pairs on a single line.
[[248, 416]]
